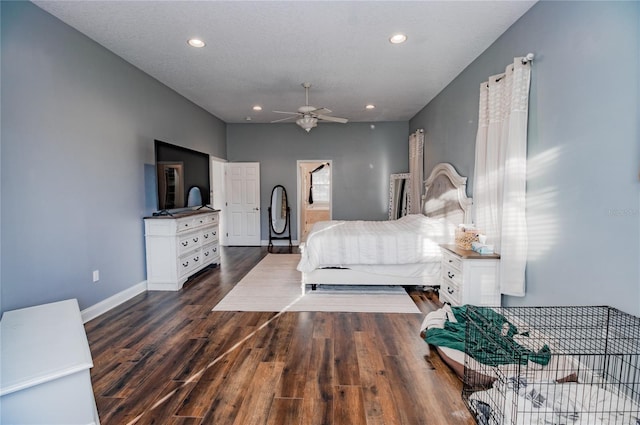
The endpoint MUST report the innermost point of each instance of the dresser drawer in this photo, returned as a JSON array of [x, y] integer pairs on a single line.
[[188, 242], [205, 220], [189, 262], [452, 275], [449, 292], [451, 260], [210, 235], [184, 224], [210, 253]]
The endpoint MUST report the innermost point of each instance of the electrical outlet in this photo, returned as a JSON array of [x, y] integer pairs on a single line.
[[96, 275]]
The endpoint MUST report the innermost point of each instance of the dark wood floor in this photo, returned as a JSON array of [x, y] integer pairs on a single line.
[[166, 358]]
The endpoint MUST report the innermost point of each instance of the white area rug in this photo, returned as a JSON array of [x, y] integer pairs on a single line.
[[274, 285]]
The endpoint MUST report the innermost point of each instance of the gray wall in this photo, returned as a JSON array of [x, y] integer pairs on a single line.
[[78, 125], [363, 158], [583, 188]]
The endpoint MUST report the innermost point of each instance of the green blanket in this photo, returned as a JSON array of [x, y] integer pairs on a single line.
[[491, 343]]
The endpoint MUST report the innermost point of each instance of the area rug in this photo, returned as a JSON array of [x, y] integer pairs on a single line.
[[274, 285]]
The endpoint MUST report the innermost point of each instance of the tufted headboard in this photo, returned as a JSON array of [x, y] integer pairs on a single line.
[[445, 195]]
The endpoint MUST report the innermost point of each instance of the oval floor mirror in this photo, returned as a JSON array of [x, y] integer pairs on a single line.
[[279, 217]]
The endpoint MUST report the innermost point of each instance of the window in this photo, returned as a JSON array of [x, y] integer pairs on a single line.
[[321, 189]]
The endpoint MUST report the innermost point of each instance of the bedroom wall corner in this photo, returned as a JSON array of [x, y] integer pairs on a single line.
[[78, 124], [582, 186]]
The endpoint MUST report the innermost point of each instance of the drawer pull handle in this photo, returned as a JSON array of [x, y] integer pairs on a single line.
[[185, 243], [196, 259], [215, 249], [214, 233], [206, 236], [206, 254], [450, 291], [185, 264], [451, 275], [195, 239], [451, 261]]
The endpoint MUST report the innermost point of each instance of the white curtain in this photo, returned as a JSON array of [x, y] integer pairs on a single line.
[[501, 171], [416, 160]]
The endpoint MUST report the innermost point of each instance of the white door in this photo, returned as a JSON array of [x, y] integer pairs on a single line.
[[243, 203], [218, 190]]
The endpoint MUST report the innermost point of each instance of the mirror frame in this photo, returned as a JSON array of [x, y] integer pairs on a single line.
[[285, 234], [271, 212], [393, 182]]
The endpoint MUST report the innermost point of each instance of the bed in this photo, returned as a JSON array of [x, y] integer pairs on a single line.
[[401, 252]]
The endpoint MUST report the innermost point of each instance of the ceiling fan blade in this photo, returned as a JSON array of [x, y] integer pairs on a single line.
[[332, 119], [321, 111], [284, 119], [284, 112]]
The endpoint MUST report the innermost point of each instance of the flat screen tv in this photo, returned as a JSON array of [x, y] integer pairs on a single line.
[[183, 177]]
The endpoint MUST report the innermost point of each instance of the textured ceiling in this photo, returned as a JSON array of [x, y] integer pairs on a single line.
[[260, 52]]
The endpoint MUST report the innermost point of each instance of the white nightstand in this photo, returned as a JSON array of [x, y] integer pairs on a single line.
[[469, 277]]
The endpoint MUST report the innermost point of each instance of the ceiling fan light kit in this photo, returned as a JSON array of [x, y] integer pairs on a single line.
[[308, 115], [307, 122]]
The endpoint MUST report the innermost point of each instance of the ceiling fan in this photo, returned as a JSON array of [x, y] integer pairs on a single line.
[[308, 116]]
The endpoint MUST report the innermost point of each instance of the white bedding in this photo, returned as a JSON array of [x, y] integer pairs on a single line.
[[412, 239]]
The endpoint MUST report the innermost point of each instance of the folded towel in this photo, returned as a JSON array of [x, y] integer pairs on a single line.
[[481, 248]]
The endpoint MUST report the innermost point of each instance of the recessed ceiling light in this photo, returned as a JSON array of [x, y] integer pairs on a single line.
[[257, 108], [370, 106], [398, 38], [196, 42], [247, 119]]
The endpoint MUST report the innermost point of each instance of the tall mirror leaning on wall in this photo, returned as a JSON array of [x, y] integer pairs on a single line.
[[399, 195]]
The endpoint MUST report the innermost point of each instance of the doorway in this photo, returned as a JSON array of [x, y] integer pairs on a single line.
[[314, 194], [218, 194], [242, 204]]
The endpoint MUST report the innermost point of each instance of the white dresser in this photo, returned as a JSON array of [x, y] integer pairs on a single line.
[[45, 377], [469, 277], [179, 246]]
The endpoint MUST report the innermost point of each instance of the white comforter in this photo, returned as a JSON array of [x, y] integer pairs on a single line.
[[412, 239]]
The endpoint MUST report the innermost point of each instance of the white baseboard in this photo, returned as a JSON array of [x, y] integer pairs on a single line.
[[112, 302], [103, 306]]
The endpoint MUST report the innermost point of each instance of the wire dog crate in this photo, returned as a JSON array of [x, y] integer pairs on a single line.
[[552, 365]]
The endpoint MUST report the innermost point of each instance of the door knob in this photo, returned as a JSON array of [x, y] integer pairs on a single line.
[[256, 208]]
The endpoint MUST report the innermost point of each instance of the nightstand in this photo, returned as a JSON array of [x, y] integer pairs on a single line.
[[468, 277]]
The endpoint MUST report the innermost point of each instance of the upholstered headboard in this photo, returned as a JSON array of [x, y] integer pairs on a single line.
[[445, 195]]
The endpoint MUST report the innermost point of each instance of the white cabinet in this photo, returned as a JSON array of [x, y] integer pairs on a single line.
[[179, 246], [45, 376], [469, 278]]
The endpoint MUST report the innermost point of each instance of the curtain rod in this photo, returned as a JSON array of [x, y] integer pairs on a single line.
[[528, 58]]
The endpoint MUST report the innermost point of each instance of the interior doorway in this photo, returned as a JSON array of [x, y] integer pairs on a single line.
[[314, 194]]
